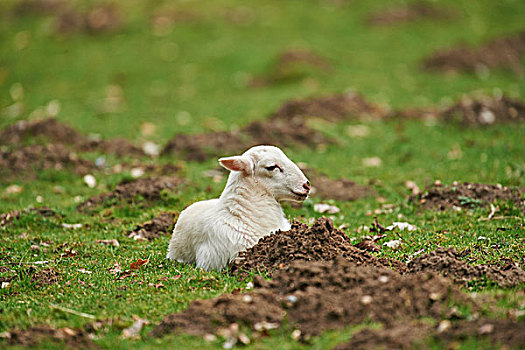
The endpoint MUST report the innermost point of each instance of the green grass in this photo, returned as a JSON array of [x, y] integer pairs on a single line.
[[200, 68]]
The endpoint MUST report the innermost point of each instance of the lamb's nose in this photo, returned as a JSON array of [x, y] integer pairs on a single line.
[[306, 186]]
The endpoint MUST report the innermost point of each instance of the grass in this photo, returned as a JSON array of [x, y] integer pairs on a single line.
[[193, 80]]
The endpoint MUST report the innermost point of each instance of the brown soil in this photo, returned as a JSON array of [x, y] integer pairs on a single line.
[[39, 7], [28, 161], [11, 216], [318, 296], [349, 106], [503, 52], [413, 335], [294, 132], [99, 19], [52, 131], [341, 190], [150, 189], [411, 12], [71, 338], [320, 242], [448, 262], [467, 195], [292, 65], [485, 111], [160, 225], [46, 277], [402, 336]]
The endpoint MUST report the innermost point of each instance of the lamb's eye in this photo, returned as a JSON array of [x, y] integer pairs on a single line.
[[273, 167]]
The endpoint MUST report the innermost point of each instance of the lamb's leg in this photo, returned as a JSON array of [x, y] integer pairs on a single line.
[[208, 258]]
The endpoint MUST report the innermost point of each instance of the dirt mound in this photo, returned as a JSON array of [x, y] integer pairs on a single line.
[[160, 225], [411, 12], [448, 262], [45, 277], [468, 195], [71, 338], [149, 189], [11, 216], [320, 242], [341, 190], [96, 20], [200, 147], [318, 296], [28, 161], [403, 336], [485, 111], [294, 132], [39, 7], [502, 52], [52, 131], [346, 106], [291, 65], [412, 335]]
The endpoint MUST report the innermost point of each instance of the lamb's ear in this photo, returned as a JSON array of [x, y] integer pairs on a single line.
[[237, 163]]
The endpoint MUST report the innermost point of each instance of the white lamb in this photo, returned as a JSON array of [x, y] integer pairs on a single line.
[[211, 233]]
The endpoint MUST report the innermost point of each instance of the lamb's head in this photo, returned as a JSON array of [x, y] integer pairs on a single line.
[[270, 168]]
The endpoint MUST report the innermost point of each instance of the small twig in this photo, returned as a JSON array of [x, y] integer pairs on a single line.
[[492, 211], [501, 218], [71, 311]]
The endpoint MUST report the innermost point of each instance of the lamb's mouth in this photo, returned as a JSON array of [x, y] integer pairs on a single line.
[[300, 195]]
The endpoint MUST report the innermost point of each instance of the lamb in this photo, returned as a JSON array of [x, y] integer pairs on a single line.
[[211, 233]]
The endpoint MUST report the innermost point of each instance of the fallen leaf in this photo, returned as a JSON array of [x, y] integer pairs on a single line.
[[74, 226], [90, 180], [14, 189], [137, 264]]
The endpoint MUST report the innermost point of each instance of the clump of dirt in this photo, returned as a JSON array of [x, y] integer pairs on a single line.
[[320, 242], [502, 52], [118, 146], [11, 216], [472, 111], [448, 262], [98, 19], [71, 338], [150, 189], [402, 336], [160, 225], [414, 11], [341, 190], [200, 147], [46, 277], [332, 108], [412, 335], [44, 7], [49, 129], [318, 296], [28, 161], [284, 133], [294, 132], [207, 316], [485, 111], [292, 65], [467, 195]]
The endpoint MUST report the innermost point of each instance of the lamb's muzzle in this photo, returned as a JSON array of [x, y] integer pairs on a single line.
[[211, 233]]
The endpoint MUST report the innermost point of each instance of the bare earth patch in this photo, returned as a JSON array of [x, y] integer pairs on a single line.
[[320, 242], [71, 338], [9, 217], [160, 225], [468, 195], [449, 263], [414, 11], [502, 52], [150, 189], [318, 296], [46, 277], [52, 131], [290, 66], [341, 189], [28, 161], [288, 127]]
